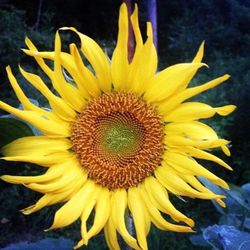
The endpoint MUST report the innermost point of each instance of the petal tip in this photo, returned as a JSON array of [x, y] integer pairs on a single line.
[[8, 68]]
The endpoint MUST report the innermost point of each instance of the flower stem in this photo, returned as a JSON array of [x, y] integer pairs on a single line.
[[131, 39], [152, 16]]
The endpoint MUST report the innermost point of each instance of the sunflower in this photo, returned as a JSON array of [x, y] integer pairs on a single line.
[[119, 137]]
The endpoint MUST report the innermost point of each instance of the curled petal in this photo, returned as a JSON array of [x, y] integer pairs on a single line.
[[102, 212], [47, 126], [140, 216], [72, 210], [159, 194], [194, 110], [166, 82], [119, 205], [188, 165], [97, 58], [111, 236], [157, 218], [169, 104]]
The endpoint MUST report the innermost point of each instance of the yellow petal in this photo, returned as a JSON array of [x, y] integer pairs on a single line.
[[89, 206], [119, 61], [166, 82], [42, 160], [51, 174], [102, 212], [195, 110], [87, 80], [181, 140], [59, 106], [200, 154], [226, 150], [196, 184], [119, 206], [198, 57], [47, 70], [36, 145], [59, 184], [51, 198], [157, 192], [178, 186], [137, 208], [97, 58], [192, 180], [192, 133], [46, 126], [193, 130], [74, 172], [26, 103], [225, 110], [157, 218], [84, 217], [136, 29], [146, 58], [111, 236], [187, 165], [66, 90], [68, 63], [65, 58], [166, 106], [46, 200], [72, 210]]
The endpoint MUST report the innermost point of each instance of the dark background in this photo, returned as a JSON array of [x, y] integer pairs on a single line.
[[182, 26]]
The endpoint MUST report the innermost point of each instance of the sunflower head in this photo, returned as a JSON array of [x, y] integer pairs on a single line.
[[118, 139], [121, 143]]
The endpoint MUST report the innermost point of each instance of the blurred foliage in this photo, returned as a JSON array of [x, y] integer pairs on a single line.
[[223, 237], [224, 25], [49, 243], [232, 233]]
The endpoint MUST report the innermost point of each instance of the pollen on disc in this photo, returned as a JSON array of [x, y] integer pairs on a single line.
[[118, 139]]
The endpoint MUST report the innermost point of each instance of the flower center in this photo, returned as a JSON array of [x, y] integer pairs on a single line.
[[119, 134], [118, 139]]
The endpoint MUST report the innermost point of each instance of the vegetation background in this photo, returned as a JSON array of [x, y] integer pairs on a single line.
[[182, 26]]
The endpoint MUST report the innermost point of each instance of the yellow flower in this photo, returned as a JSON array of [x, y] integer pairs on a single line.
[[118, 139]]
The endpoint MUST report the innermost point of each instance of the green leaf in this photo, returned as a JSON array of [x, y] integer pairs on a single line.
[[11, 129]]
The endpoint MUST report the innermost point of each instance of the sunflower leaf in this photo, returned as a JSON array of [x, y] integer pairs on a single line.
[[237, 198], [215, 189], [11, 129], [226, 237], [49, 243], [239, 195]]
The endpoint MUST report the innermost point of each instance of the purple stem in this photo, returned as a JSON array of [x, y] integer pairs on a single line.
[[131, 39], [152, 16]]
